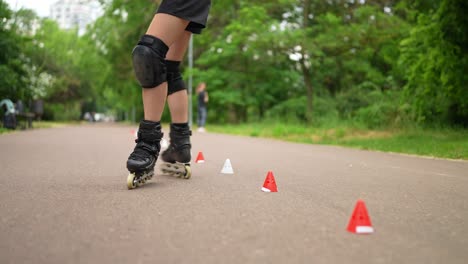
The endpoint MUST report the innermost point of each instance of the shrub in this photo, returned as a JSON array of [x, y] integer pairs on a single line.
[[62, 112]]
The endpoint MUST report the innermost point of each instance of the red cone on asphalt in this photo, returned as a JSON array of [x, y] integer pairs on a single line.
[[200, 158], [134, 132], [360, 222], [270, 184]]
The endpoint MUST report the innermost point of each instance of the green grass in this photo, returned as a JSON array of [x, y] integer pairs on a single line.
[[39, 124], [442, 143], [53, 124]]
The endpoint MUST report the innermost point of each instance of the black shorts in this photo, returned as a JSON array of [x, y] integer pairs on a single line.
[[195, 11]]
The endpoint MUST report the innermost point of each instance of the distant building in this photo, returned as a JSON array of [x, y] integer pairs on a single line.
[[71, 14]]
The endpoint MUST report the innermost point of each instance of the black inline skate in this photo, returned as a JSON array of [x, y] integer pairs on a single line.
[[177, 156], [141, 161]]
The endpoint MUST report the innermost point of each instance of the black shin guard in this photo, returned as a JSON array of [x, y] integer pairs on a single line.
[[175, 82]]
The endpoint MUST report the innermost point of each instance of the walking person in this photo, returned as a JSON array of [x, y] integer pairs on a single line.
[[202, 96], [156, 59]]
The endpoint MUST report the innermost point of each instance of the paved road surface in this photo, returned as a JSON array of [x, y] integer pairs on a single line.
[[63, 199]]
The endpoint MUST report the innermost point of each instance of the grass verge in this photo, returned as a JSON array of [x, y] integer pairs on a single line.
[[39, 124], [441, 143]]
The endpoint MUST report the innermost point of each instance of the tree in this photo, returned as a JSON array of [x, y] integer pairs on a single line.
[[114, 35], [436, 56], [11, 59], [245, 66]]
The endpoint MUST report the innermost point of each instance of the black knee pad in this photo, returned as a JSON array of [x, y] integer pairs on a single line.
[[175, 82], [148, 61]]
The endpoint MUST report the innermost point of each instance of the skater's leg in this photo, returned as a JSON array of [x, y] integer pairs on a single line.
[[177, 98], [168, 29], [168, 26], [149, 64], [179, 148]]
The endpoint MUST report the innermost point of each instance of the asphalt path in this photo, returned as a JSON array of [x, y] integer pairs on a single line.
[[63, 199]]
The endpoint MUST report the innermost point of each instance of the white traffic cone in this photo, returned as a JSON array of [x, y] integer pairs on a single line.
[[164, 144], [227, 168]]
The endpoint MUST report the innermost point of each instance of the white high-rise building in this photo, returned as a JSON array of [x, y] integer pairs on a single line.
[[71, 14]]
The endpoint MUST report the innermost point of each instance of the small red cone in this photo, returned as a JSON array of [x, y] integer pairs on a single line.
[[360, 222], [200, 158], [134, 132], [270, 184]]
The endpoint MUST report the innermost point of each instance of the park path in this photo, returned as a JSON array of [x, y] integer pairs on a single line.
[[63, 199]]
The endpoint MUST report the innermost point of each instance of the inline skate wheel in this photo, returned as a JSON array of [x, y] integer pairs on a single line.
[[188, 172], [131, 181]]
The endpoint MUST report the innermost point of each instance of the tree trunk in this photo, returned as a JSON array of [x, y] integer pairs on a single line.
[[309, 91], [305, 70]]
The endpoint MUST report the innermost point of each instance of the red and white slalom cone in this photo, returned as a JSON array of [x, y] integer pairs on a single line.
[[200, 158], [360, 222], [270, 184], [134, 132]]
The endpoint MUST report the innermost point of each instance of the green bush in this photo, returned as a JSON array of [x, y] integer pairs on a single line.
[[380, 114], [369, 106], [62, 112], [325, 110], [360, 96], [292, 110]]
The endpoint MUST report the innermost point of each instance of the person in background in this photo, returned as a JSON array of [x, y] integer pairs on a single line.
[[202, 96]]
